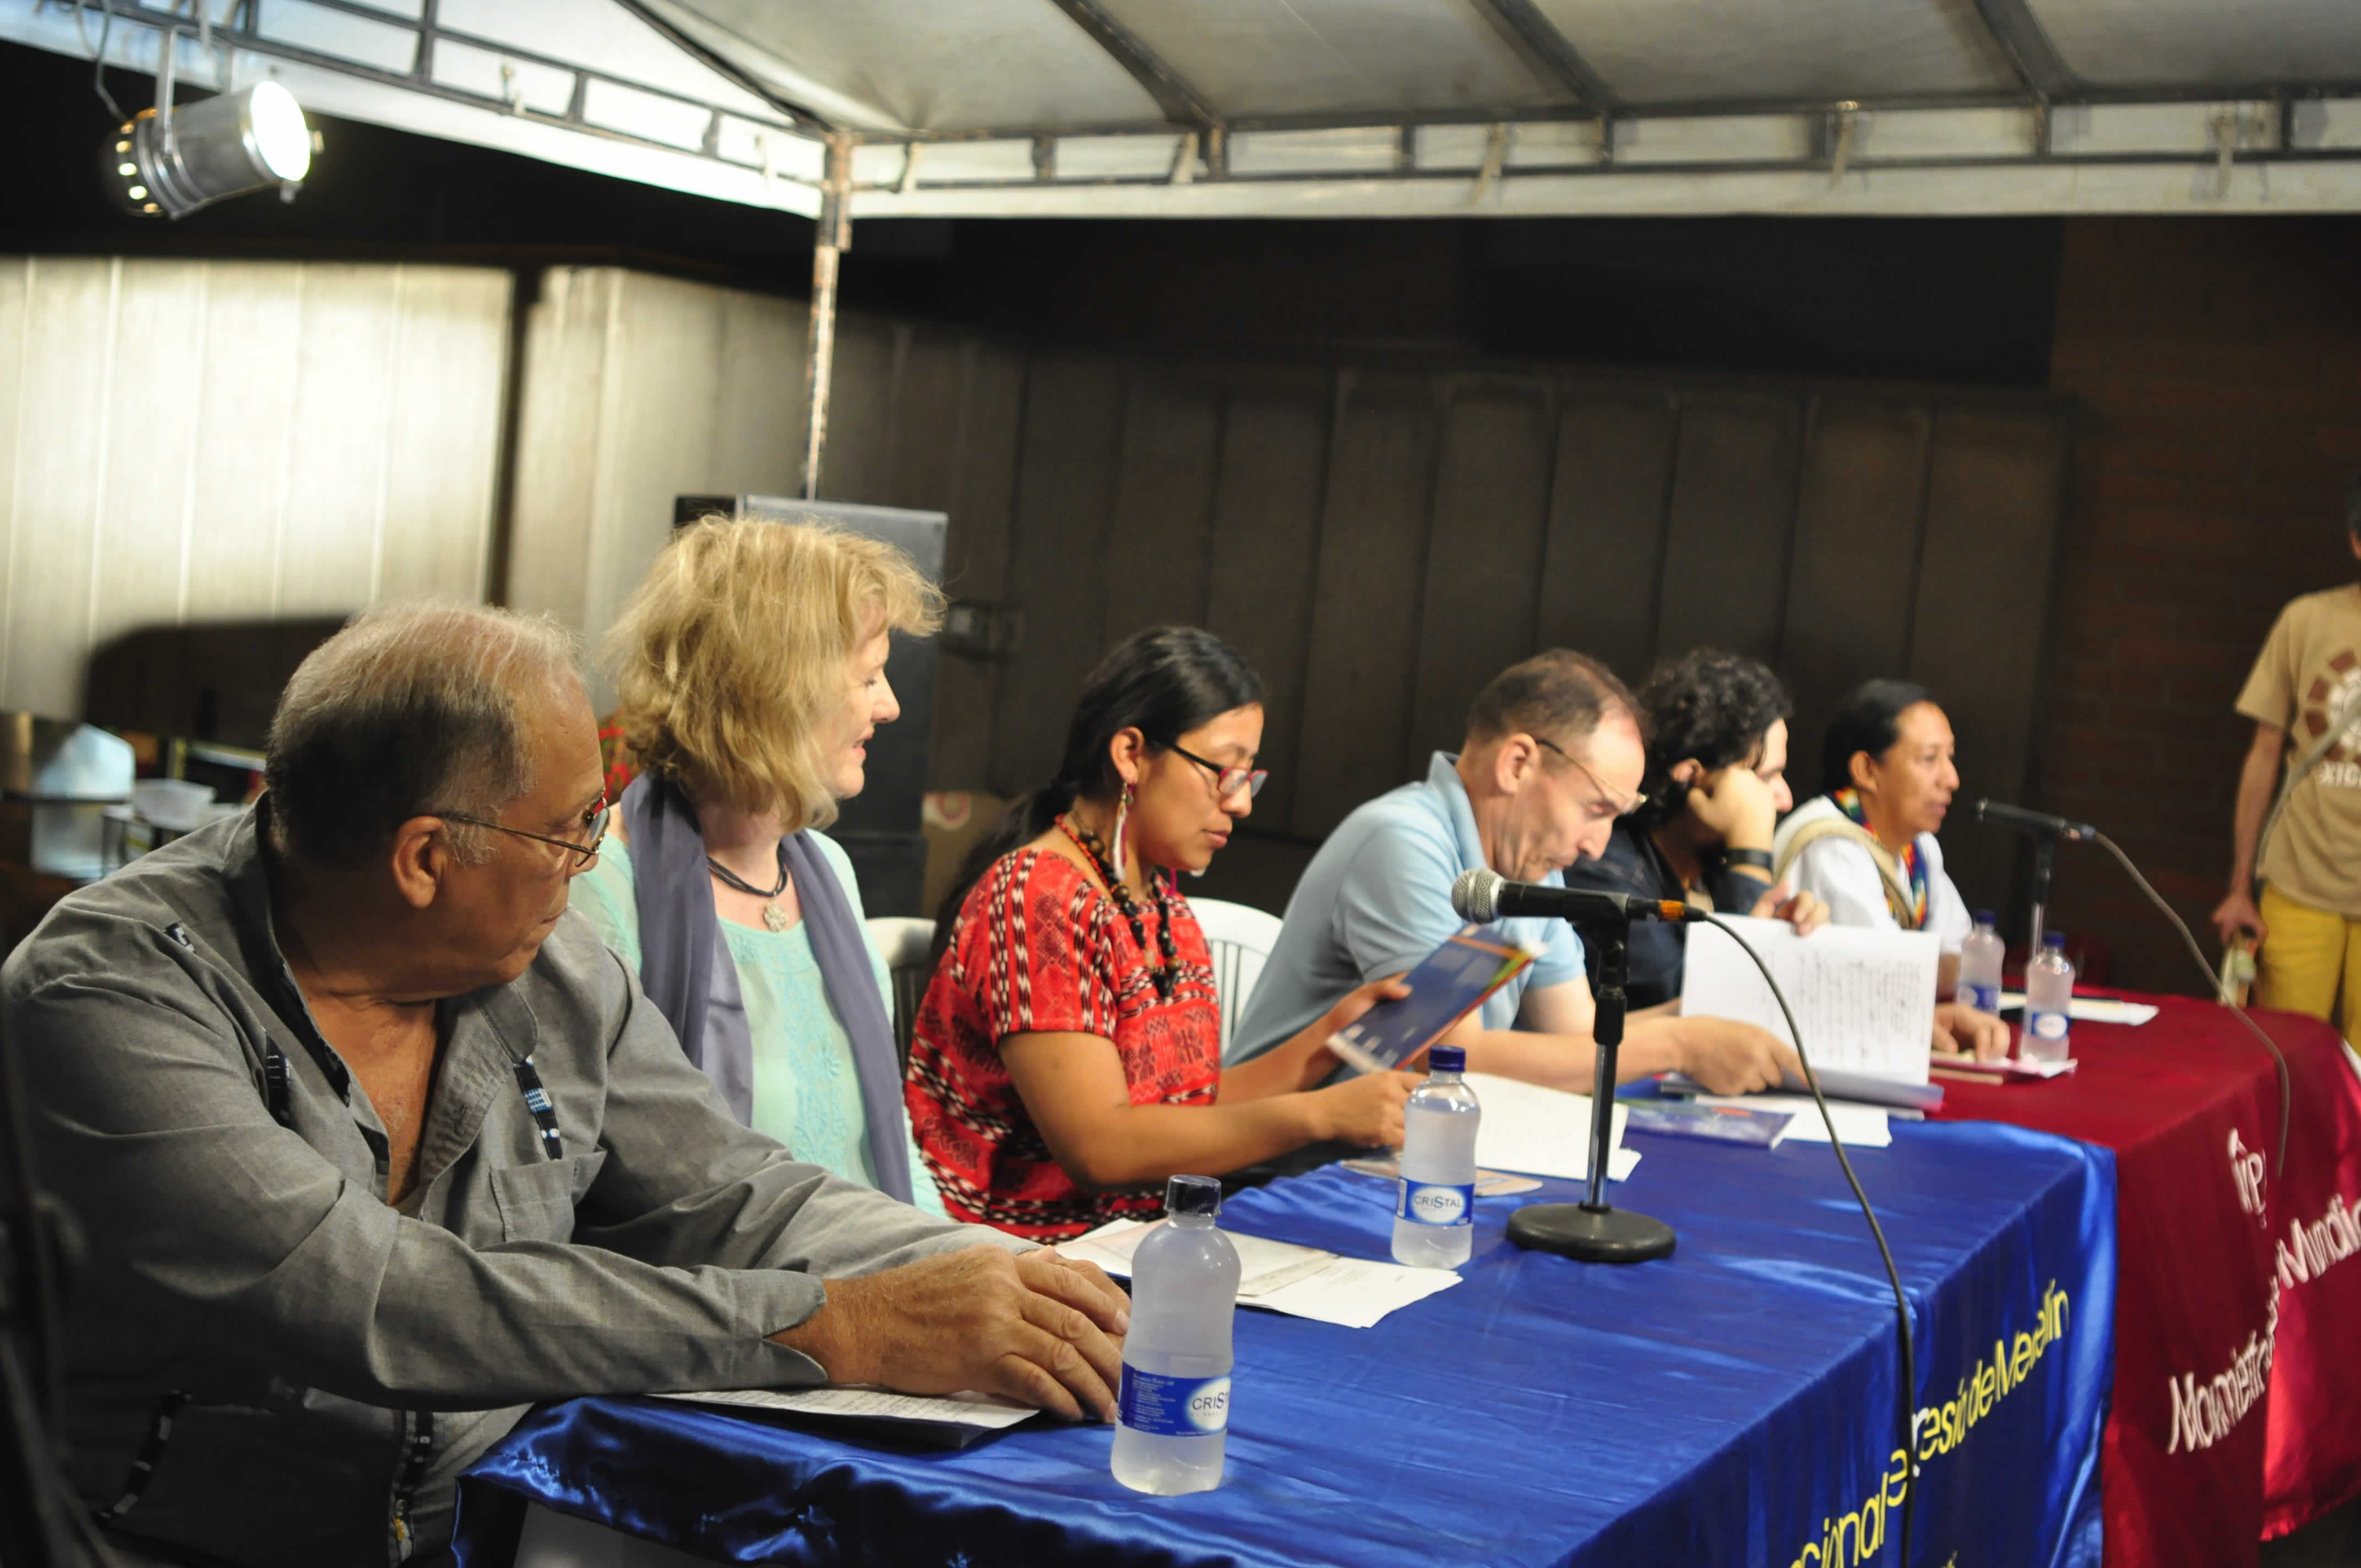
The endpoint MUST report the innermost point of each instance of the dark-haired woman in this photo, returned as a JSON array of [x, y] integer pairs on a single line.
[[1715, 785], [1067, 1058], [1866, 844]]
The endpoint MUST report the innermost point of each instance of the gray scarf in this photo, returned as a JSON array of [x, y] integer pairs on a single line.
[[685, 969]]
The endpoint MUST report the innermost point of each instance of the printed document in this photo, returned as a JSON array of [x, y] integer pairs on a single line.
[[1543, 1132], [985, 1412], [1865, 999], [1279, 1276]]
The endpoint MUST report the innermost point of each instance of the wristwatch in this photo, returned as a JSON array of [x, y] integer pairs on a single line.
[[1758, 858]]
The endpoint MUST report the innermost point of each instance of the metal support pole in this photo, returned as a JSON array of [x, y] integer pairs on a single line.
[[830, 240]]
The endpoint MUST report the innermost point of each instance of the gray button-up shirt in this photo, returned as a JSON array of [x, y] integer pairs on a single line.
[[249, 1280]]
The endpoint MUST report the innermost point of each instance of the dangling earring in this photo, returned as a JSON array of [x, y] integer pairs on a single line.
[[1122, 816]]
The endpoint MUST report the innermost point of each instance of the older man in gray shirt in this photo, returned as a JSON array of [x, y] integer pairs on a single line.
[[375, 1144]]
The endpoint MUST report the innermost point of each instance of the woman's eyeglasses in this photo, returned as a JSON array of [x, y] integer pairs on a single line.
[[1228, 782], [584, 849]]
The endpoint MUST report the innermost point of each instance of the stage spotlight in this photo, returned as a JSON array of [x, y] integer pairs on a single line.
[[182, 158]]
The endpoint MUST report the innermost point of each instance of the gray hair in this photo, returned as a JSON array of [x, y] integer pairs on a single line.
[[409, 711]]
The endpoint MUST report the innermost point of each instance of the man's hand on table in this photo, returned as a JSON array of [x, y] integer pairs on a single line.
[[1732, 1058], [1961, 1030], [1038, 1327]]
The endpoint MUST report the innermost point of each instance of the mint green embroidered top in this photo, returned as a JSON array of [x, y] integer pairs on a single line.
[[807, 1093]]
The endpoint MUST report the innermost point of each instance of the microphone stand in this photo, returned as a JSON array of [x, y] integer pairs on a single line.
[[1594, 1230], [2045, 850]]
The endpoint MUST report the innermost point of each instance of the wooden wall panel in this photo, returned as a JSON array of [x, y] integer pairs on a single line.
[[1365, 598], [1605, 540], [1484, 551], [219, 441], [19, 284], [865, 410], [247, 426], [1266, 550], [1851, 584], [758, 405], [991, 382], [345, 370], [1160, 546], [65, 430], [1065, 495], [144, 526], [454, 376], [1733, 506], [930, 384], [1983, 606]]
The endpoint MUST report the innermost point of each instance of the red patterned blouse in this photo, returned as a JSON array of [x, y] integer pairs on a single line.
[[1039, 949]]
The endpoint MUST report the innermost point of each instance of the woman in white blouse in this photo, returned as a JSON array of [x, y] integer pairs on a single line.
[[1867, 845]]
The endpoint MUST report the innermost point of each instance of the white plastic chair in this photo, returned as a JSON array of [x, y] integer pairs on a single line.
[[906, 944], [1241, 938]]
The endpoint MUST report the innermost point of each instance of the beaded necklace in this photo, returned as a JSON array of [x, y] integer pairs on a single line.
[[1162, 975]]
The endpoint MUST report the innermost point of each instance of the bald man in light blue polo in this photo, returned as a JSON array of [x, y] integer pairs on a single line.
[[1554, 754]]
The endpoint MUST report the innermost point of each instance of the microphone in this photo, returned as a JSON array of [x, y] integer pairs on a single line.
[[2037, 821], [1483, 896]]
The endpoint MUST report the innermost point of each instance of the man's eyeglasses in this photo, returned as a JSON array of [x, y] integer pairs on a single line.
[[584, 849], [1228, 782], [1622, 807]]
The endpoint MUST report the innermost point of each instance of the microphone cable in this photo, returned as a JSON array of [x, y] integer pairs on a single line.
[[1909, 1403], [2279, 1056]]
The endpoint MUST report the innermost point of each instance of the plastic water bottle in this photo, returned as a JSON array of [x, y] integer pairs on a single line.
[[1174, 1407], [2048, 989], [1435, 1208], [1980, 958]]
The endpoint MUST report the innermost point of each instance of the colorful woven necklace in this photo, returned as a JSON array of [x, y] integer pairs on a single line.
[[1914, 865], [1163, 975]]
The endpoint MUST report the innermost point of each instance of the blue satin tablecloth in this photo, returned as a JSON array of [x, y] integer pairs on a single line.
[[1732, 1404]]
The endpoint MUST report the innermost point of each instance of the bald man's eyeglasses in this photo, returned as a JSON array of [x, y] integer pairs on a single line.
[[584, 849], [1622, 807]]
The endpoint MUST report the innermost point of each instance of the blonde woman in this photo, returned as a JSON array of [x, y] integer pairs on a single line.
[[750, 674]]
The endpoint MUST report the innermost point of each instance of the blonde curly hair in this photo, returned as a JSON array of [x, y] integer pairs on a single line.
[[729, 658]]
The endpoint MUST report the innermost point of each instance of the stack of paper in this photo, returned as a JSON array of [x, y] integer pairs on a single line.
[[2091, 1009], [1543, 1132], [1301, 1281], [952, 1420]]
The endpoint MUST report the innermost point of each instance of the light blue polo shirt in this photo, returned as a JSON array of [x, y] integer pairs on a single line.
[[1375, 900]]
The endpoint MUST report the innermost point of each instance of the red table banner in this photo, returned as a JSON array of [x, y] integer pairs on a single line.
[[2235, 1374]]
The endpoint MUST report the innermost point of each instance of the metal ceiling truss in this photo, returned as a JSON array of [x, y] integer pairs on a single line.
[[1733, 156], [244, 32]]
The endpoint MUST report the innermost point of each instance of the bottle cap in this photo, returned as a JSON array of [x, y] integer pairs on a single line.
[[2054, 939], [1984, 918], [1446, 1058], [1193, 1195]]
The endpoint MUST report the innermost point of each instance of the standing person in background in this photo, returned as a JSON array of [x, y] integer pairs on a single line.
[[1866, 844], [750, 666], [1716, 786], [2307, 927], [1068, 1056], [1555, 754]]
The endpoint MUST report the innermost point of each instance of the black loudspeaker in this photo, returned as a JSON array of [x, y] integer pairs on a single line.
[[879, 829]]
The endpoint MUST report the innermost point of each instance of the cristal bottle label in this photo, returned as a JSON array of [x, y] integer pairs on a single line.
[[1173, 1407], [1432, 1204]]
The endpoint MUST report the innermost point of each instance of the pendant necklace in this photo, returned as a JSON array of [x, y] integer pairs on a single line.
[[773, 917]]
